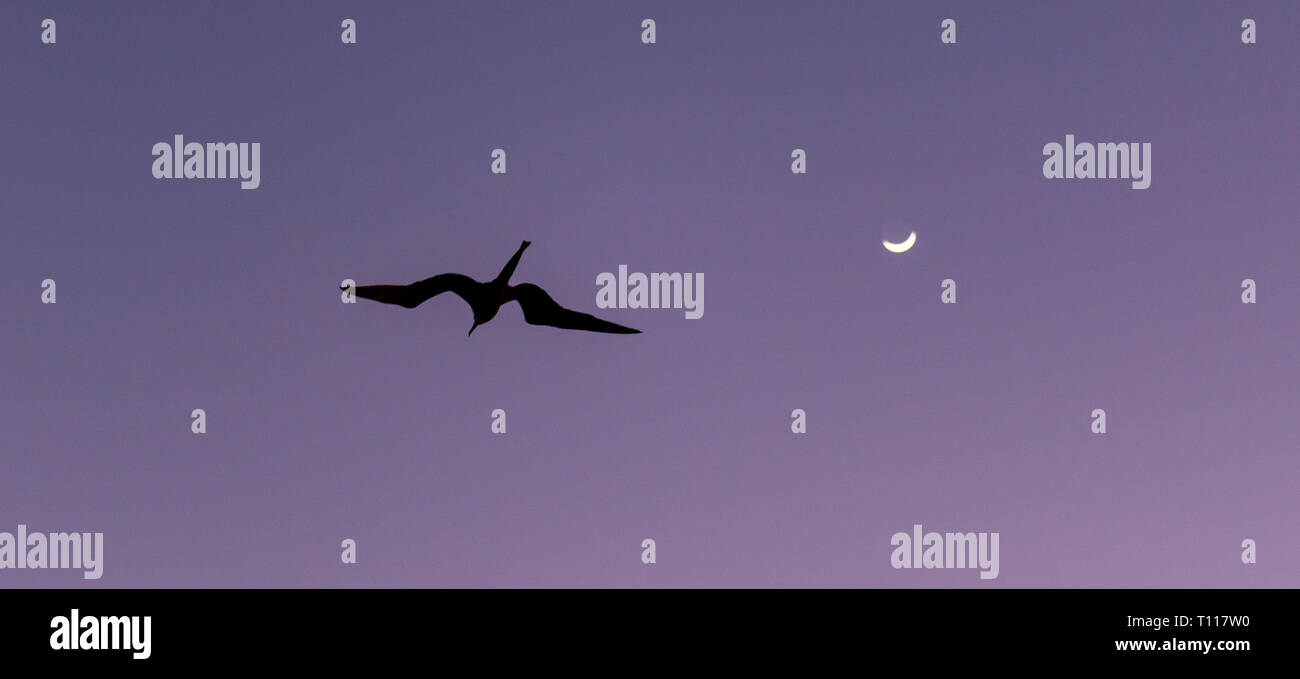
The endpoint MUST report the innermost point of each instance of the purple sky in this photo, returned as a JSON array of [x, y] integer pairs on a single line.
[[371, 422]]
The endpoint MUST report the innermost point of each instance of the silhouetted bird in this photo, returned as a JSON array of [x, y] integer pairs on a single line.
[[485, 299]]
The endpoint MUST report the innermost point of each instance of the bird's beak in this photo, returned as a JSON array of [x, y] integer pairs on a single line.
[[471, 330]]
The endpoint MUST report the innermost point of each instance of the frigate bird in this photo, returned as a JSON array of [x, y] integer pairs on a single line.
[[486, 299]]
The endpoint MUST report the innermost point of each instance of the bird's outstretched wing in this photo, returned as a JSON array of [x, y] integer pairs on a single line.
[[540, 309], [410, 296]]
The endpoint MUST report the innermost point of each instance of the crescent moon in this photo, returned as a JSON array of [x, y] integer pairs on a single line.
[[900, 247]]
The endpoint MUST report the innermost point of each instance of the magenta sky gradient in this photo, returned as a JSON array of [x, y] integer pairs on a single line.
[[371, 422]]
